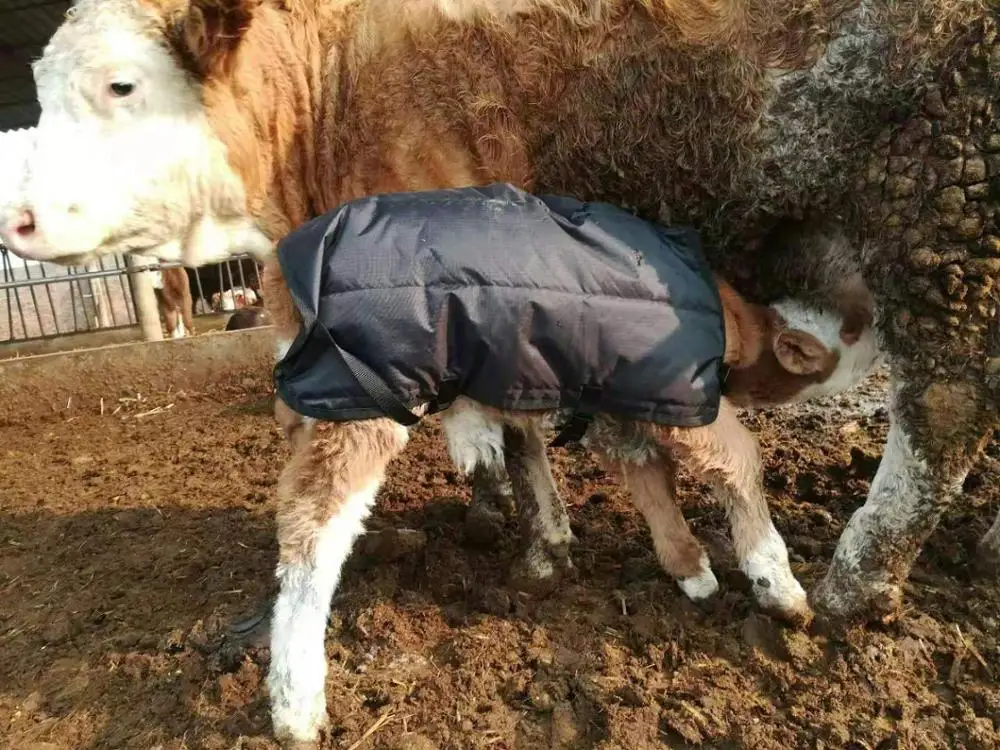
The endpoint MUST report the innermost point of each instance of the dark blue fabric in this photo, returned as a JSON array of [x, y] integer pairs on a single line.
[[521, 299]]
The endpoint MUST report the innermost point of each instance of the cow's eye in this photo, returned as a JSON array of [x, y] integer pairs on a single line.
[[121, 88]]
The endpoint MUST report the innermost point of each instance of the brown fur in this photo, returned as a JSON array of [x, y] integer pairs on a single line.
[[330, 461], [328, 101], [174, 300], [653, 488]]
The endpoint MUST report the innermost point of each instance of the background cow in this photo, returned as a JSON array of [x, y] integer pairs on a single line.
[[173, 300], [215, 278]]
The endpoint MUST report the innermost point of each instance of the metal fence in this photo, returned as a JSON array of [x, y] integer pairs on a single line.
[[43, 300]]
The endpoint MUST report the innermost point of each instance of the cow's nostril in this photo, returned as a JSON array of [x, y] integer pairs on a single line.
[[24, 223]]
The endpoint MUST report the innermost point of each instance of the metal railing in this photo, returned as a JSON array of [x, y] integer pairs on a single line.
[[44, 300]]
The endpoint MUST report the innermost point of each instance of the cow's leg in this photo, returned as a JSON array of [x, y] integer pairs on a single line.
[[726, 455], [652, 486], [324, 494], [989, 546], [935, 433], [187, 308]]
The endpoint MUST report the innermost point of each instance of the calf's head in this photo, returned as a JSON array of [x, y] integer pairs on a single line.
[[124, 157], [791, 352]]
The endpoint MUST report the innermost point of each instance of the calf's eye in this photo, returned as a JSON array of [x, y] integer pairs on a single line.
[[121, 88]]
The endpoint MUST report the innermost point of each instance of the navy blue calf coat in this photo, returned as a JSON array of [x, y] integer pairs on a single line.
[[517, 301]]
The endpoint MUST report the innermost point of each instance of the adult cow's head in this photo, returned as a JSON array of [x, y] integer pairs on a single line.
[[124, 156]]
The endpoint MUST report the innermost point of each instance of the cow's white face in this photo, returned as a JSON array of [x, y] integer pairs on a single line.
[[124, 158]]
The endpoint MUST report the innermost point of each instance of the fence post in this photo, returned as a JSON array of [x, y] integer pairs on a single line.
[[144, 298], [99, 296]]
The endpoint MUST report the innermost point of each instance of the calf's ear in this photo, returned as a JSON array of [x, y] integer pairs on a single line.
[[800, 353], [208, 33]]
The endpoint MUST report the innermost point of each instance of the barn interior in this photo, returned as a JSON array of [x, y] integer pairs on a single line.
[[25, 28]]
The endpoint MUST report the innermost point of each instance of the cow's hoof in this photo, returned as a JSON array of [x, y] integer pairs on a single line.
[[484, 524], [254, 631], [843, 601], [539, 571]]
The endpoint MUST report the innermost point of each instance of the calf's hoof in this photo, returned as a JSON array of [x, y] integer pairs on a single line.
[[701, 587], [539, 571], [296, 729], [782, 597], [299, 744]]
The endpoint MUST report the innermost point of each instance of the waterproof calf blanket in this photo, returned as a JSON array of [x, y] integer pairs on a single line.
[[517, 301]]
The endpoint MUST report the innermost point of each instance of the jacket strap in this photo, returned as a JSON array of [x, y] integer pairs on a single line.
[[373, 385], [587, 406]]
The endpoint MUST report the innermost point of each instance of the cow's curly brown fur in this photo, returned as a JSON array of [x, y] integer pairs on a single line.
[[332, 100]]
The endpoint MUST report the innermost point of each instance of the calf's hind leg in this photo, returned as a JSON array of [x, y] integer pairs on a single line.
[[726, 455], [324, 495], [544, 523]]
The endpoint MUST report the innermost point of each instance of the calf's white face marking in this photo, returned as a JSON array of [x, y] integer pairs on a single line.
[[124, 158]]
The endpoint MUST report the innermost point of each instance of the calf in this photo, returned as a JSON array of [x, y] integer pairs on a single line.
[[509, 313], [326, 495], [233, 299], [173, 298]]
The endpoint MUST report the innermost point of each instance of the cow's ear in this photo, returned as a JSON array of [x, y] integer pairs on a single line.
[[208, 34]]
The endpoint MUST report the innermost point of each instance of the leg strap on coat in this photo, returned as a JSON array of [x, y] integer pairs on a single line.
[[587, 406]]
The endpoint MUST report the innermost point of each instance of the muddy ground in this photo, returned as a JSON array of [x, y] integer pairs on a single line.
[[130, 541]]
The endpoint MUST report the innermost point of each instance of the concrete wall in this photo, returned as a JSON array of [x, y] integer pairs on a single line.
[[93, 339], [56, 386]]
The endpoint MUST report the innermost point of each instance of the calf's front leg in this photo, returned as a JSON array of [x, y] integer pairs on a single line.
[[652, 485], [726, 455]]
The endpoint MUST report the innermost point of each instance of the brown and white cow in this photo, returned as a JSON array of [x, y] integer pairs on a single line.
[[194, 129], [174, 302]]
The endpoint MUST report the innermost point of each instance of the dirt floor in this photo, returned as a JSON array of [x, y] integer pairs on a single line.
[[129, 542]]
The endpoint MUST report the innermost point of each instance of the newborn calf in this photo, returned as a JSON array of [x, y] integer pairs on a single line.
[[512, 313]]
